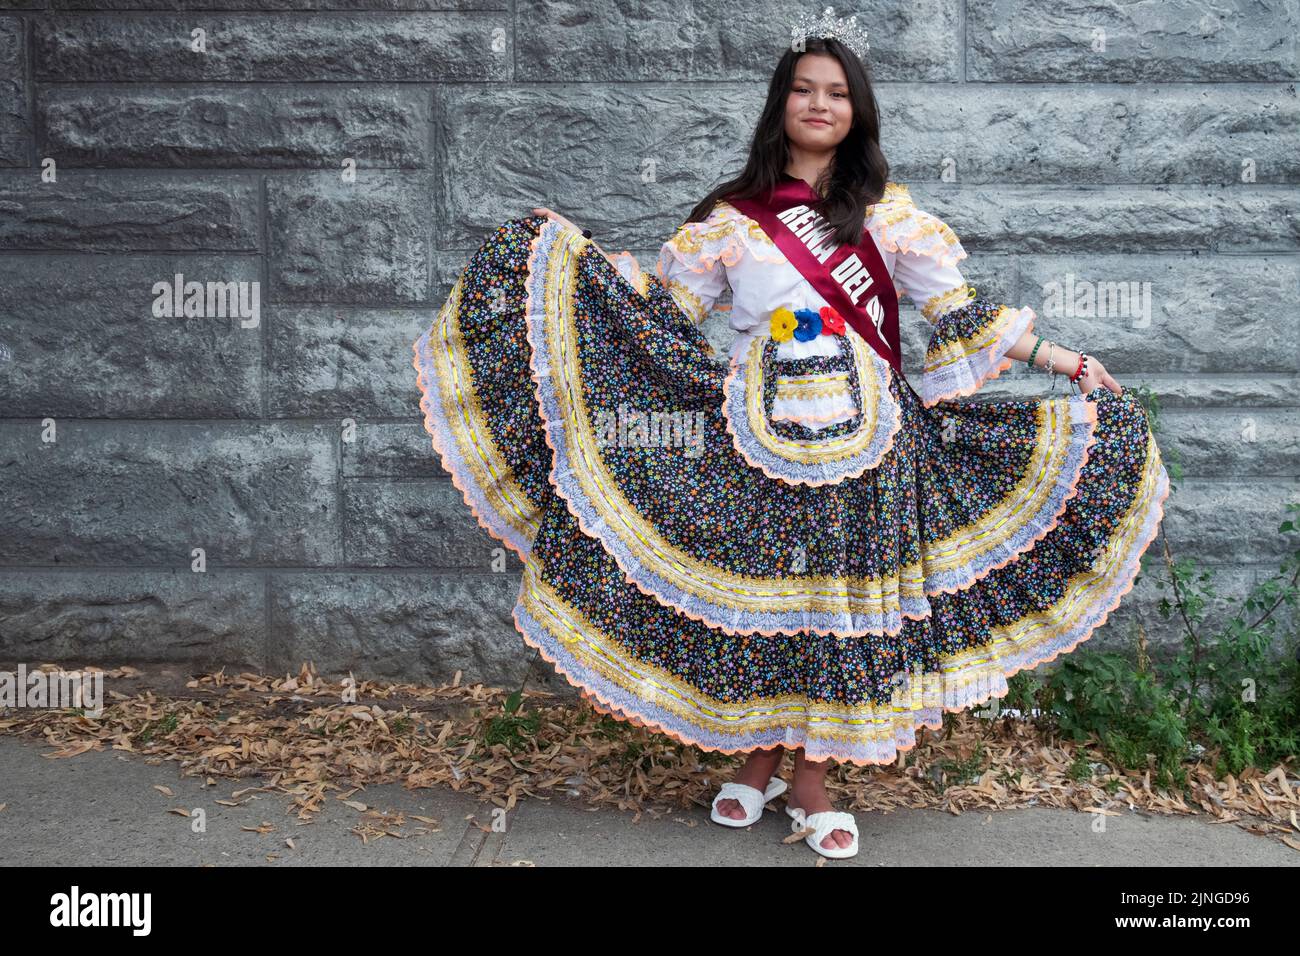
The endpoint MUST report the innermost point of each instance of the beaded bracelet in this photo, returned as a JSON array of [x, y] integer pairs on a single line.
[[1030, 361], [1082, 370]]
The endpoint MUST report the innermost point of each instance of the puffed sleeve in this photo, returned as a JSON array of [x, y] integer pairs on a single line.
[[690, 274], [970, 335], [692, 265]]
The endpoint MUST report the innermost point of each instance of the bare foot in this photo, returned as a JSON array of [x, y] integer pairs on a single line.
[[808, 793], [757, 772]]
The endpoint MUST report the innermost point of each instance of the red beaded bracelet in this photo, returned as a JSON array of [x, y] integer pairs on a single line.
[[1082, 369]]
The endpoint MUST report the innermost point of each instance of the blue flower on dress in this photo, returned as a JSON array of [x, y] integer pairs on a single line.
[[810, 325]]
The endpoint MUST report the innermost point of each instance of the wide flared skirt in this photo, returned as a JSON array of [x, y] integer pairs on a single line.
[[682, 586]]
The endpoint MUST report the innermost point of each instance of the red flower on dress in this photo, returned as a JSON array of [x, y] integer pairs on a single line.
[[832, 321]]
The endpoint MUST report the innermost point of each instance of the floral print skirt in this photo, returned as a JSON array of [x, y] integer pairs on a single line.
[[688, 579]]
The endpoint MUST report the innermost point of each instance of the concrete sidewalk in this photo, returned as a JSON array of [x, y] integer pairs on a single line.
[[101, 808]]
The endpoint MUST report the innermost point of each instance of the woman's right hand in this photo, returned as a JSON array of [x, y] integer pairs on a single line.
[[552, 214]]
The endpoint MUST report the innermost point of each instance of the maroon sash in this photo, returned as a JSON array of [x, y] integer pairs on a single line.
[[852, 279]]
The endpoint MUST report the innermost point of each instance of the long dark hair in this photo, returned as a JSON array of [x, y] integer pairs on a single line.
[[855, 178]]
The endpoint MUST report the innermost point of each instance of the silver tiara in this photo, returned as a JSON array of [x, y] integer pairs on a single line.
[[828, 25]]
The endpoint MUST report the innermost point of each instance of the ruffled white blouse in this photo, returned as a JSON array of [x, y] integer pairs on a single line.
[[730, 250]]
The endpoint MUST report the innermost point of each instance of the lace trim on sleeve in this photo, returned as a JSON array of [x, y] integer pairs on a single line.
[[689, 302], [901, 227], [724, 236], [968, 347], [936, 305]]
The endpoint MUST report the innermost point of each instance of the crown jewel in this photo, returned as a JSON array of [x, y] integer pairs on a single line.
[[828, 25]]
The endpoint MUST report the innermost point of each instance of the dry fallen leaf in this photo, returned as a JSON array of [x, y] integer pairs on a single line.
[[74, 749]]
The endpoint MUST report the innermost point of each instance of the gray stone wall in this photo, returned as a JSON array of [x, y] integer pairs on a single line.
[[1065, 142]]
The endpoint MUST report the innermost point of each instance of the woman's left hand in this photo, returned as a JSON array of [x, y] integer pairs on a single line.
[[1098, 376]]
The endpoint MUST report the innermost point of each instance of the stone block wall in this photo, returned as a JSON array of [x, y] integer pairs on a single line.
[[343, 160]]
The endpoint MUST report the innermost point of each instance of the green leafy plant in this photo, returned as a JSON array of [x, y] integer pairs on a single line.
[[946, 772], [400, 725], [158, 728], [511, 727]]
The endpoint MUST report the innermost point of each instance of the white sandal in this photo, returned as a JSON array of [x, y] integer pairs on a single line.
[[823, 823], [751, 800]]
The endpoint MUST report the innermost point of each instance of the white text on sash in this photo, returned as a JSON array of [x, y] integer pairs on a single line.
[[851, 274]]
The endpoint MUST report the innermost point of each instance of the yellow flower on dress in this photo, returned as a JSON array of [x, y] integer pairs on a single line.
[[783, 324]]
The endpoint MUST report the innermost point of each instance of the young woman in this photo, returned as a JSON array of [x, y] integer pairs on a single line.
[[793, 549]]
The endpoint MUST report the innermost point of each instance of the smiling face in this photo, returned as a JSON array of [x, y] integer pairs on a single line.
[[818, 111]]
